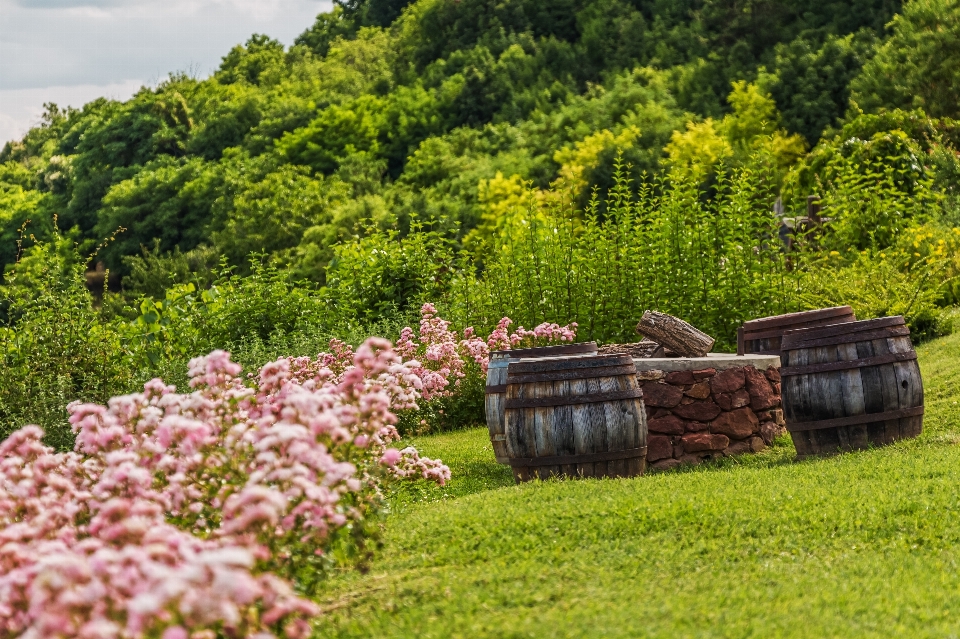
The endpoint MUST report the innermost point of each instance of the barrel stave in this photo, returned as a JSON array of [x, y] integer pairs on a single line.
[[858, 392], [577, 428], [910, 386], [497, 377], [889, 391]]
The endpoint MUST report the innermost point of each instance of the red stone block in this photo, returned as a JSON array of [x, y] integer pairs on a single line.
[[695, 427], [699, 411], [663, 395], [700, 390], [699, 442], [658, 413], [668, 425], [659, 447], [738, 424], [666, 464], [680, 378], [731, 401], [773, 374], [770, 431], [704, 373], [727, 381], [762, 395], [737, 448]]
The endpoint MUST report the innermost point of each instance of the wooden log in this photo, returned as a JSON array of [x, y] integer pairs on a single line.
[[674, 334]]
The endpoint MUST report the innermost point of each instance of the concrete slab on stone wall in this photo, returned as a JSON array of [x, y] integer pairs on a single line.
[[718, 361]]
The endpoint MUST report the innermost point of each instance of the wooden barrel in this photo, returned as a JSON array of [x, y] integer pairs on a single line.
[[850, 386], [762, 336], [497, 384], [575, 417]]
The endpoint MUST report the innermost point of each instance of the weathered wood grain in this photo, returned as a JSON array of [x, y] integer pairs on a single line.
[[675, 334], [850, 396], [577, 426]]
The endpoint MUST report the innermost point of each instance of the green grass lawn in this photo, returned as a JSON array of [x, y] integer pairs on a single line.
[[859, 545]]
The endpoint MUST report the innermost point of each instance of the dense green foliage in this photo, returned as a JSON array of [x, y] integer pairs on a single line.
[[749, 546], [377, 115], [579, 160]]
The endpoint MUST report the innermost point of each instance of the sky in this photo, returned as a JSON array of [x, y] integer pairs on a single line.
[[72, 51]]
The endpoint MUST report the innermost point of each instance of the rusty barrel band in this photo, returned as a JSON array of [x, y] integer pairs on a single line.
[[889, 358], [571, 400], [579, 362], [750, 335], [563, 460], [793, 343], [855, 420], [495, 388], [549, 351], [573, 375], [800, 318]]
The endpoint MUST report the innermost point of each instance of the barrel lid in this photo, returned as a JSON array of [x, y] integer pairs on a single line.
[[548, 351], [797, 318], [845, 333], [583, 362]]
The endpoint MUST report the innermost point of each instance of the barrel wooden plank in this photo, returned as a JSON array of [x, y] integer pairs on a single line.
[[910, 386], [851, 394], [798, 386], [496, 383], [889, 391], [597, 427], [612, 435], [875, 399], [582, 433], [588, 410]]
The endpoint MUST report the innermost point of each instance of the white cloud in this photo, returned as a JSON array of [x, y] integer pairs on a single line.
[[21, 109], [73, 51], [63, 42]]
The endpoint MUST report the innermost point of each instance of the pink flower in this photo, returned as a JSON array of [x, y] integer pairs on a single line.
[[390, 457]]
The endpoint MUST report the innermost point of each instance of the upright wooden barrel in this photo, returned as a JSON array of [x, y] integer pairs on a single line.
[[850, 386], [763, 336], [497, 384], [575, 417]]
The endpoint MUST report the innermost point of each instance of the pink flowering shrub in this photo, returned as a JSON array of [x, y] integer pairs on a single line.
[[452, 370], [192, 515], [543, 335]]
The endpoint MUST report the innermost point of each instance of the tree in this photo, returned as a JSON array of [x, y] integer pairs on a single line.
[[811, 84], [918, 66]]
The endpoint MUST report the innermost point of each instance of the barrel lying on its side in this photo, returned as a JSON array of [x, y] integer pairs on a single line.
[[763, 336], [850, 386], [497, 384], [575, 417]]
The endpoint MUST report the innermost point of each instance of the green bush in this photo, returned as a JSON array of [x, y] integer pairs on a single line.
[[55, 347], [880, 285], [712, 259]]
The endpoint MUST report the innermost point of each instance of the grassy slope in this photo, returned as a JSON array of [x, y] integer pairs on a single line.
[[864, 544]]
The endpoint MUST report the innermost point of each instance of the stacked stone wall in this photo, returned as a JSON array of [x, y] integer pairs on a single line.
[[704, 414]]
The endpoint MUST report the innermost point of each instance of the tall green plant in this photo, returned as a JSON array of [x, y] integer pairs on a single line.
[[713, 259], [55, 348]]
